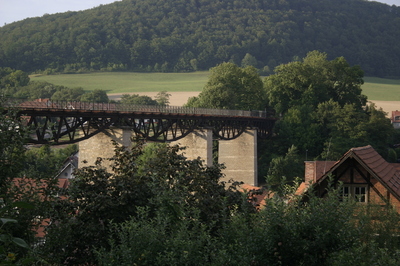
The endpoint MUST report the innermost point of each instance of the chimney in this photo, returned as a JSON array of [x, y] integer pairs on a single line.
[[310, 172]]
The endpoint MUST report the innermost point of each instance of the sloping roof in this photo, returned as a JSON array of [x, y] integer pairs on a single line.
[[322, 167], [387, 173], [71, 161], [395, 116], [301, 189], [314, 171], [258, 198], [63, 183]]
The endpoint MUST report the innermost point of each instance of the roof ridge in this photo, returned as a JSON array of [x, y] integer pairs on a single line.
[[361, 148]]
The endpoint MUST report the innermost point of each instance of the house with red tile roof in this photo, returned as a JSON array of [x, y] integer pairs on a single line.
[[257, 196], [366, 177], [395, 119], [63, 184], [34, 187]]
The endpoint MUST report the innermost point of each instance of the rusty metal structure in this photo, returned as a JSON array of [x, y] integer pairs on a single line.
[[70, 122]]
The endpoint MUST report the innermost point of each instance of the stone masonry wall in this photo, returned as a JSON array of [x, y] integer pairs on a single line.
[[100, 145], [198, 144], [240, 157]]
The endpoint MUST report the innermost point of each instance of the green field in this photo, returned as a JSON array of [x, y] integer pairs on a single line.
[[377, 89], [125, 82]]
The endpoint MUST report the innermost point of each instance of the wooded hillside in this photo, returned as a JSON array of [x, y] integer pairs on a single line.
[[182, 35]]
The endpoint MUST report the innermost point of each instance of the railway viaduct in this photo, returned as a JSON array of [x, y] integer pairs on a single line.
[[94, 125]]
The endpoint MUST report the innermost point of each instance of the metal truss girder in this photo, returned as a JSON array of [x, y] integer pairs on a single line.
[[63, 130], [164, 129], [63, 124], [227, 130]]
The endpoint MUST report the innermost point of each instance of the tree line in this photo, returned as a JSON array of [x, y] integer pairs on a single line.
[[179, 36], [16, 84]]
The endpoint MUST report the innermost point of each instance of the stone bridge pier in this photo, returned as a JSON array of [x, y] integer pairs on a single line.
[[101, 146], [198, 143], [239, 155]]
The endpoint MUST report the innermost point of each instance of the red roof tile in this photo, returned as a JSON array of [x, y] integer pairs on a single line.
[[258, 198], [63, 183], [301, 189], [322, 167], [395, 116]]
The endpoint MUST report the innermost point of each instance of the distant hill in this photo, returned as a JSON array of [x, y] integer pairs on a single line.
[[187, 35]]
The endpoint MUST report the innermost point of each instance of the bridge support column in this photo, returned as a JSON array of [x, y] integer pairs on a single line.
[[240, 157], [100, 145], [198, 144]]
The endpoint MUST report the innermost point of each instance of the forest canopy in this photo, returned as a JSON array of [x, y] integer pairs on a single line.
[[179, 36]]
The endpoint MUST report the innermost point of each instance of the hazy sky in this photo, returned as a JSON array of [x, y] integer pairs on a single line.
[[15, 10]]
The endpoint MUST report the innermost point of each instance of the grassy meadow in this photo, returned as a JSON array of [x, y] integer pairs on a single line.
[[130, 82], [377, 89]]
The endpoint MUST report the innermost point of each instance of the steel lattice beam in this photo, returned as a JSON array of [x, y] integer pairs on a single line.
[[66, 122]]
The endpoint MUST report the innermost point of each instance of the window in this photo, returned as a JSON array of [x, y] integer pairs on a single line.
[[356, 192], [345, 191], [360, 194]]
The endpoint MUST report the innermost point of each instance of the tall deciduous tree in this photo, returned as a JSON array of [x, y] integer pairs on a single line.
[[98, 96], [12, 136], [67, 94], [249, 60], [25, 197], [285, 168], [297, 127], [162, 98], [232, 87], [315, 80], [10, 78], [324, 110], [347, 127], [155, 177], [137, 99]]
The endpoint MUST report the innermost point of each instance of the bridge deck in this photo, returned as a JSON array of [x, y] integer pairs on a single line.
[[87, 107], [70, 122]]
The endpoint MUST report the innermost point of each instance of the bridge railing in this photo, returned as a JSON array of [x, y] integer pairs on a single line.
[[118, 107]]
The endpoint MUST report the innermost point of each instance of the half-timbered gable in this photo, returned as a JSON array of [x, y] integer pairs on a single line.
[[366, 177]]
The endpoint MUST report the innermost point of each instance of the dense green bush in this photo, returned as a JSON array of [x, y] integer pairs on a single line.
[[177, 193], [160, 240], [328, 231]]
